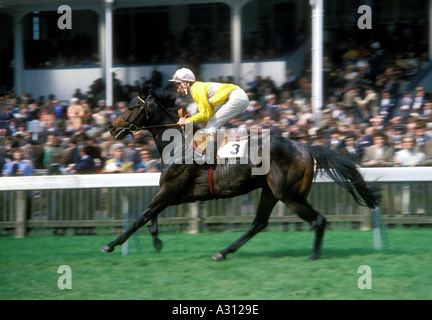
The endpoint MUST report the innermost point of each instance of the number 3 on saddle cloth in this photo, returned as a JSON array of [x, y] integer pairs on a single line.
[[227, 147]]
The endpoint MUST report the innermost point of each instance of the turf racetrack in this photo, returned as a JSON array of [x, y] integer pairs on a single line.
[[274, 265]]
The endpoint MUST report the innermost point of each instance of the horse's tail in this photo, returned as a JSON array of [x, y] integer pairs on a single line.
[[345, 173]]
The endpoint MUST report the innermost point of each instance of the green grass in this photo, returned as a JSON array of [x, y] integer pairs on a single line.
[[273, 265]]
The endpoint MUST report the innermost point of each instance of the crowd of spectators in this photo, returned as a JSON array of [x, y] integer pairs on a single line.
[[68, 139], [367, 116]]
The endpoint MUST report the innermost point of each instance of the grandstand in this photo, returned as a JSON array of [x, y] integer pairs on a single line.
[[262, 45], [376, 83]]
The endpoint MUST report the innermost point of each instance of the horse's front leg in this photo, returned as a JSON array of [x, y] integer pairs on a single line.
[[154, 230], [158, 204]]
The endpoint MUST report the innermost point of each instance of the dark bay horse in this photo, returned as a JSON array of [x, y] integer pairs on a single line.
[[289, 178]]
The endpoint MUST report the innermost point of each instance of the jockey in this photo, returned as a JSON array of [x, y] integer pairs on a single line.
[[231, 99]]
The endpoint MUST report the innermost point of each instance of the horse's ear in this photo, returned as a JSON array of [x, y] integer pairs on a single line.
[[146, 89], [134, 102]]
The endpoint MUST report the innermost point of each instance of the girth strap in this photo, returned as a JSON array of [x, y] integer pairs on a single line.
[[210, 180]]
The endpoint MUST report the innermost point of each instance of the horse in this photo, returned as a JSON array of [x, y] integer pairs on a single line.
[[292, 169]]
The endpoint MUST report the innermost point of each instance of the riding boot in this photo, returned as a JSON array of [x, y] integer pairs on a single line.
[[211, 150]]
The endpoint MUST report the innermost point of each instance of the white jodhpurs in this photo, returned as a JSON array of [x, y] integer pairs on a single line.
[[236, 104]]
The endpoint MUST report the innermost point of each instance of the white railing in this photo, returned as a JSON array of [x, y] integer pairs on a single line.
[[405, 200], [84, 181], [414, 174]]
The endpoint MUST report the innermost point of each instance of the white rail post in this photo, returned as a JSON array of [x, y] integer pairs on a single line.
[[21, 218]]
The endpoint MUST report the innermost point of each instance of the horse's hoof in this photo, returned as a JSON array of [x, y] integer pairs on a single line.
[[218, 256], [314, 257], [158, 244], [107, 249]]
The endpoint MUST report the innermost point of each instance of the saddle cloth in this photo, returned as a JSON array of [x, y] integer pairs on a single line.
[[228, 147]]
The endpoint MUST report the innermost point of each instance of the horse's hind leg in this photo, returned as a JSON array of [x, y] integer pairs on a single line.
[[154, 230], [265, 208], [318, 222]]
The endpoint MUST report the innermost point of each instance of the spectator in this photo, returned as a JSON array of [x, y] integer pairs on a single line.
[[147, 164], [58, 109], [369, 104], [380, 154], [349, 103], [428, 153], [52, 149], [131, 153], [15, 107], [271, 107], [21, 136], [350, 150], [33, 111], [46, 115], [5, 117], [18, 166], [386, 106], [86, 164], [12, 128], [419, 101], [71, 153], [405, 105], [33, 152], [118, 164], [334, 142], [427, 111], [22, 115], [56, 167], [420, 134], [409, 156], [75, 112], [49, 128]]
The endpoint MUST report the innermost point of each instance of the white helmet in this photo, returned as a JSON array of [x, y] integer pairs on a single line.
[[183, 75]]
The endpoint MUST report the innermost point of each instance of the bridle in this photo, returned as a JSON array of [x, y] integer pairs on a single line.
[[132, 128]]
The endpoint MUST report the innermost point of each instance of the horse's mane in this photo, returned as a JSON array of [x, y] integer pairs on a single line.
[[166, 96]]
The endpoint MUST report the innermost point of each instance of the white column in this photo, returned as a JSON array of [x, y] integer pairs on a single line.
[[317, 58], [236, 41], [430, 30], [108, 52], [101, 46], [18, 62]]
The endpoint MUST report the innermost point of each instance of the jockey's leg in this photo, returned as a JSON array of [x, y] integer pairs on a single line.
[[237, 102]]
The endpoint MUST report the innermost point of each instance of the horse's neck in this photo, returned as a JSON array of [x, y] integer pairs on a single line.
[[157, 136], [171, 139], [162, 141]]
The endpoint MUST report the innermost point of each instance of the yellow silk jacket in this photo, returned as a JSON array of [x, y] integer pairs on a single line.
[[209, 95]]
